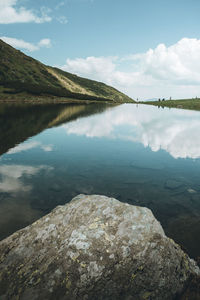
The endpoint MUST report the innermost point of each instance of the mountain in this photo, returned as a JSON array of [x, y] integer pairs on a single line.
[[18, 122], [22, 77]]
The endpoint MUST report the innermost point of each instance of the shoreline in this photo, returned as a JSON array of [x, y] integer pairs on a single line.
[[191, 104], [47, 100]]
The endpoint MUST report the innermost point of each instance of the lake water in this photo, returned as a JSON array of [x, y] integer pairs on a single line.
[[139, 154]]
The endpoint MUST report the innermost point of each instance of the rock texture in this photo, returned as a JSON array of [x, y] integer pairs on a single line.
[[94, 247]]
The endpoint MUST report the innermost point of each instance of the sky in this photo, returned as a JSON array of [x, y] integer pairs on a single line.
[[171, 130], [146, 49]]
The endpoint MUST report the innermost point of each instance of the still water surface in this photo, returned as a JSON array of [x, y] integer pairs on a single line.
[[142, 155]]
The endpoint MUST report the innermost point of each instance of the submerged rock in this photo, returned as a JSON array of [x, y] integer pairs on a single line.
[[94, 247], [55, 187], [173, 184], [191, 191]]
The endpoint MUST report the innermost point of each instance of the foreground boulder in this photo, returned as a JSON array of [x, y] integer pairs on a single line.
[[94, 247]]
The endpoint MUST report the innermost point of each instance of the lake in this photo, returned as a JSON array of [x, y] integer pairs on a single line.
[[142, 155]]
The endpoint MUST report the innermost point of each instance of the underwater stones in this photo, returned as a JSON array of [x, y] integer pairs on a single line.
[[195, 197], [136, 181], [55, 187], [191, 191], [148, 165], [94, 247], [173, 184]]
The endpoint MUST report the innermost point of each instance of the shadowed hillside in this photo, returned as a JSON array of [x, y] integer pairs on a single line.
[[19, 122], [22, 76]]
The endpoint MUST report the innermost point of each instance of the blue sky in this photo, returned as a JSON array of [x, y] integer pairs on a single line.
[[146, 48]]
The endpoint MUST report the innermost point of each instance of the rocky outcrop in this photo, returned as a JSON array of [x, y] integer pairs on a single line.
[[94, 247]]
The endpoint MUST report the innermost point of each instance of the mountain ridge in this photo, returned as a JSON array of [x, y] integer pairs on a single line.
[[19, 122], [22, 75]]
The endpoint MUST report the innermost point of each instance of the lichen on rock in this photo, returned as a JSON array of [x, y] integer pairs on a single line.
[[94, 247]]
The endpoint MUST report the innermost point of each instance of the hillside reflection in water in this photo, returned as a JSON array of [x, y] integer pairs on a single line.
[[138, 154]]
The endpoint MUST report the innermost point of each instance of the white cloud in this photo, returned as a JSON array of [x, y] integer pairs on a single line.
[[47, 148], [10, 13], [62, 20], [174, 131], [179, 63], [21, 44], [99, 68], [23, 147], [30, 145], [59, 5], [160, 72], [11, 177], [44, 43]]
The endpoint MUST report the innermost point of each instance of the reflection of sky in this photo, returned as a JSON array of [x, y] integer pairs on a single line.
[[11, 177], [30, 145], [175, 131], [105, 154]]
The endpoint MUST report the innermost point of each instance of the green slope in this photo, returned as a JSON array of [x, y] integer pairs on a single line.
[[18, 122], [21, 75], [193, 104]]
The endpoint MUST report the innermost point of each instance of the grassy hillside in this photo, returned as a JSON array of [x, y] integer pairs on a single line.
[[22, 76], [193, 104], [18, 122]]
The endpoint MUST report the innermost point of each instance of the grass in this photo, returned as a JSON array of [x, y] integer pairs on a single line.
[[47, 99], [20, 74], [193, 104]]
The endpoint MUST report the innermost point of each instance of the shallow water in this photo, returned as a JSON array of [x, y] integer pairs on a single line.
[[142, 155]]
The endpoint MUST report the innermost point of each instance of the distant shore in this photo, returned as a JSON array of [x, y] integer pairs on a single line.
[[193, 104]]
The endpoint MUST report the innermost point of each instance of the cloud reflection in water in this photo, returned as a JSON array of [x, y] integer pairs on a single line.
[[175, 131], [11, 177], [30, 145]]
